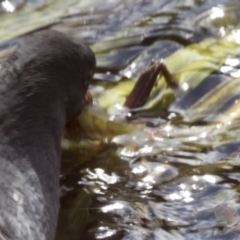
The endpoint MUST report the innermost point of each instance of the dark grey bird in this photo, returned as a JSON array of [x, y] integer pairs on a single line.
[[42, 85]]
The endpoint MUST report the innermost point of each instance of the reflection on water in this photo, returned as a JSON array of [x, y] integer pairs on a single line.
[[8, 6], [177, 176]]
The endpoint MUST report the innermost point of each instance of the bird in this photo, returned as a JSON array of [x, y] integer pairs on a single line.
[[42, 86]]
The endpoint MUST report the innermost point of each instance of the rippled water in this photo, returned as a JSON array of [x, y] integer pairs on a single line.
[[178, 176]]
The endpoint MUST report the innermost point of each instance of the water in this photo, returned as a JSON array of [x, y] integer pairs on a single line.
[[178, 177]]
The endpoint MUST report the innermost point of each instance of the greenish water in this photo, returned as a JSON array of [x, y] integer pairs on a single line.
[[178, 176]]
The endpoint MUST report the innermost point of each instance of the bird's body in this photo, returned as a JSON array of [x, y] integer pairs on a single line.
[[42, 85]]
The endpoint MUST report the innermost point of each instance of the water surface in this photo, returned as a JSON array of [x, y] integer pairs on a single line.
[[179, 180]]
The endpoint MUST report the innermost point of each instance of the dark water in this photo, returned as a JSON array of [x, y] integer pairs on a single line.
[[179, 179]]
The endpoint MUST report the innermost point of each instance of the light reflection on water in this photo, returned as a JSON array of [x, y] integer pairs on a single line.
[[177, 187], [8, 6], [216, 12]]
